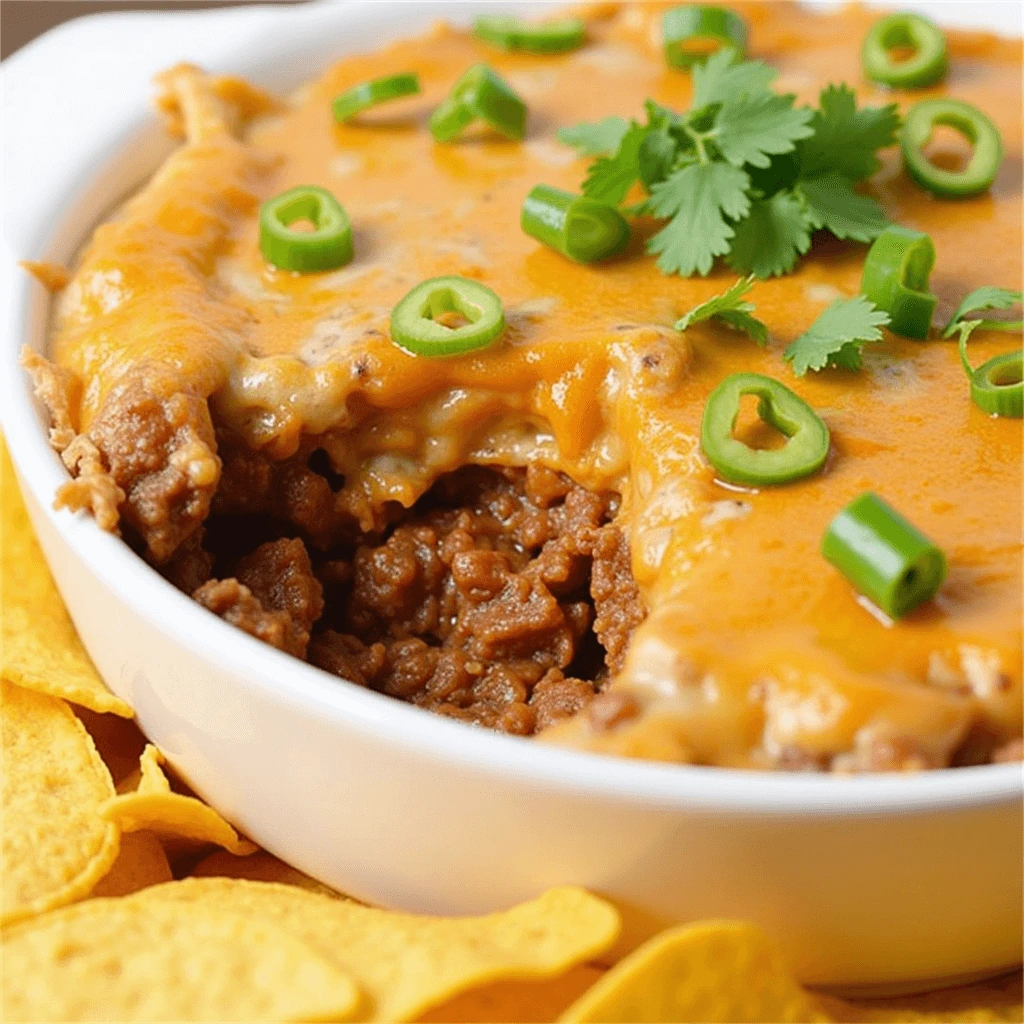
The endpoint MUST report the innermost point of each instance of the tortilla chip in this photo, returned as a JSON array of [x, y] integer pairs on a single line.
[[147, 960], [259, 867], [119, 741], [154, 807], [41, 650], [407, 964], [516, 1002], [141, 862], [724, 971], [55, 843]]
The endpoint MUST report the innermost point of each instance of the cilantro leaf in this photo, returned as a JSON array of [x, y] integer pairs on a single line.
[[780, 174], [844, 138], [837, 336], [771, 237], [696, 197], [986, 297], [659, 116], [731, 308], [599, 138], [752, 129], [831, 203], [719, 80], [656, 157], [611, 177]]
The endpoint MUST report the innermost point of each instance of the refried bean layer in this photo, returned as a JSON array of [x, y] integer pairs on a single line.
[[503, 598]]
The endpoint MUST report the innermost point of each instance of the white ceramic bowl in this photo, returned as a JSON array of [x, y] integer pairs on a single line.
[[867, 881]]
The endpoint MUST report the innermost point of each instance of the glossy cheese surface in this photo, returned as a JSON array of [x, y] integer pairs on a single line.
[[754, 645]]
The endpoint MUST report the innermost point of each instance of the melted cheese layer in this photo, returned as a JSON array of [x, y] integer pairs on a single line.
[[754, 647]]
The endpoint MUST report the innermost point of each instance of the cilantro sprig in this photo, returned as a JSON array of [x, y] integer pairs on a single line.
[[744, 174], [986, 297], [732, 308], [837, 336]]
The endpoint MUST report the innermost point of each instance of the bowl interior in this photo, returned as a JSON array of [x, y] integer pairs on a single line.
[[109, 159]]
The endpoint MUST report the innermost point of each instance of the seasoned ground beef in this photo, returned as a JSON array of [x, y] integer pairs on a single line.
[[504, 598], [273, 595]]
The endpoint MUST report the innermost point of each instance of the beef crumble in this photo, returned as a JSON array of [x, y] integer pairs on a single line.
[[503, 598]]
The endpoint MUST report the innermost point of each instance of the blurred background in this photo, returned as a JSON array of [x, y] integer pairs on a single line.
[[22, 20]]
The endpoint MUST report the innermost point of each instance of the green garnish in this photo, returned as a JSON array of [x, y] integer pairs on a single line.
[[997, 386], [576, 226], [895, 278], [369, 94], [687, 32], [976, 127], [597, 139], [480, 94], [805, 450], [846, 138], [886, 558], [731, 308], [837, 336], [418, 321], [327, 246], [510, 33], [927, 64], [986, 297], [743, 174]]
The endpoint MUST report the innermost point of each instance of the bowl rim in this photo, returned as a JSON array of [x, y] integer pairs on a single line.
[[277, 676]]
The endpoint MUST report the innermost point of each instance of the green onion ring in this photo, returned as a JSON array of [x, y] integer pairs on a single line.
[[805, 451], [511, 33], [997, 386], [369, 94], [926, 67], [582, 229], [975, 126], [883, 556], [326, 247], [895, 279], [481, 93], [414, 324], [694, 23]]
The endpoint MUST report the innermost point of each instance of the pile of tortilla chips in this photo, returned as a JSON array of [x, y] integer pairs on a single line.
[[126, 898]]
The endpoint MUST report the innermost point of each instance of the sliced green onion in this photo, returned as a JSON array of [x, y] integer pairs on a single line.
[[905, 31], [416, 322], [547, 37], [582, 229], [895, 279], [690, 34], [975, 126], [804, 453], [328, 246], [883, 556], [481, 93], [997, 386], [369, 94]]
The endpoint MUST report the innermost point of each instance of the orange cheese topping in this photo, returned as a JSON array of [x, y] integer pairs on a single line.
[[754, 645]]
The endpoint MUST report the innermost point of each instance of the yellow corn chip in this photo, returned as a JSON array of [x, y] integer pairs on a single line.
[[41, 650], [516, 1002], [259, 867], [119, 741], [154, 807], [140, 863], [55, 843], [405, 963], [133, 959], [715, 971]]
